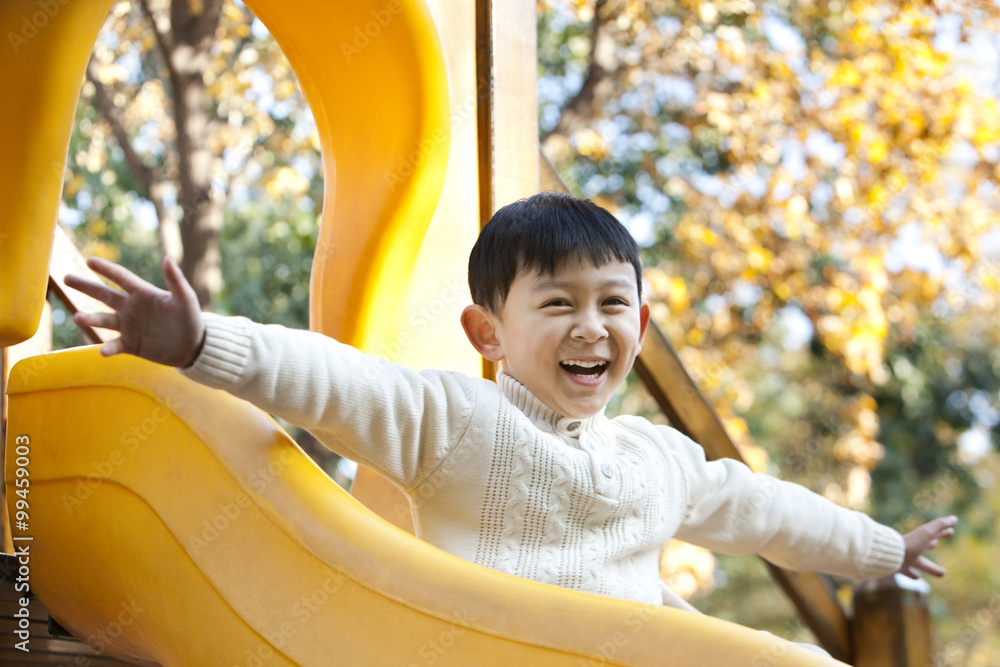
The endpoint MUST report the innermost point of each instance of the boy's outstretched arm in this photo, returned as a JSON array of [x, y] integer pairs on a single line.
[[920, 540], [155, 324]]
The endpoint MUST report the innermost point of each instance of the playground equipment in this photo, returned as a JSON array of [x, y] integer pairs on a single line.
[[186, 520]]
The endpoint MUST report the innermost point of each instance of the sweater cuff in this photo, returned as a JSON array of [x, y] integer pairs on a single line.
[[224, 353], [887, 552]]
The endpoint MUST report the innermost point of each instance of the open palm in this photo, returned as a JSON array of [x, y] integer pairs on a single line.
[[164, 326]]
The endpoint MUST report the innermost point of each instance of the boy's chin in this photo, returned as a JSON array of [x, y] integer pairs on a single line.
[[579, 409]]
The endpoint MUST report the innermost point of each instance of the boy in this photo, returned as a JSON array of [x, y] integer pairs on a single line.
[[526, 475]]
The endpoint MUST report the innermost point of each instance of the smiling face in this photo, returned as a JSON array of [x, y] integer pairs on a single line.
[[570, 337]]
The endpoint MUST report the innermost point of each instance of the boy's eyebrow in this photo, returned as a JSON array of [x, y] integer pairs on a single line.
[[554, 283]]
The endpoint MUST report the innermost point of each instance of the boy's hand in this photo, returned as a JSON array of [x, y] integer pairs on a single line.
[[920, 540], [158, 325]]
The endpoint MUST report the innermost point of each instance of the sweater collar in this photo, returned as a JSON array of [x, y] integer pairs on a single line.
[[541, 414]]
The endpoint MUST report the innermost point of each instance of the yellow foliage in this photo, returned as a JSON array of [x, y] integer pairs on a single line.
[[846, 74], [759, 258], [878, 150], [677, 294], [591, 144], [686, 569], [286, 182]]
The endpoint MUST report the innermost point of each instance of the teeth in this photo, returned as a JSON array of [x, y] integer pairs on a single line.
[[581, 367], [583, 364]]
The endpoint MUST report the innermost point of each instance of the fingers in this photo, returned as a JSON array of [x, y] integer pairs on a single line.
[[940, 528], [928, 566], [112, 347], [946, 526], [97, 320], [116, 273], [98, 291]]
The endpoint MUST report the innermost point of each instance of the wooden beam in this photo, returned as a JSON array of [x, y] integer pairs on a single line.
[[667, 381], [506, 75], [66, 259], [507, 34]]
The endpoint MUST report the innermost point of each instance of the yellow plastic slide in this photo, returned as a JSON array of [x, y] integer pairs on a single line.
[[174, 524], [167, 523]]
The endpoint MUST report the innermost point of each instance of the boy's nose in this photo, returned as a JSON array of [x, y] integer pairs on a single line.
[[589, 328]]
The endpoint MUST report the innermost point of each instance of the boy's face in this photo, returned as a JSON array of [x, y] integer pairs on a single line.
[[571, 337]]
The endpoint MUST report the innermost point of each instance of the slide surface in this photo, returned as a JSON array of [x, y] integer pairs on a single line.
[[175, 524]]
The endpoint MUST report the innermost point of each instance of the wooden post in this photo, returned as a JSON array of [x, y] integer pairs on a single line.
[[507, 72], [891, 625]]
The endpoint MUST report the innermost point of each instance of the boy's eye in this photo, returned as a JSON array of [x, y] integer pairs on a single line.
[[557, 302], [615, 301]]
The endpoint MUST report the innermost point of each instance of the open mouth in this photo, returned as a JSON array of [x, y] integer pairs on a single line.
[[585, 368]]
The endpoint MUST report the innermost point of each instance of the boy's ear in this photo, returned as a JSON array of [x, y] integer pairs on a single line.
[[643, 321], [481, 329]]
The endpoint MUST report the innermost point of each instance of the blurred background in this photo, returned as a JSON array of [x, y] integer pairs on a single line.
[[815, 186]]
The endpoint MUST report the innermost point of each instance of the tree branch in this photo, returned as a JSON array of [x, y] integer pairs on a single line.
[[603, 65], [208, 20], [154, 187], [163, 39]]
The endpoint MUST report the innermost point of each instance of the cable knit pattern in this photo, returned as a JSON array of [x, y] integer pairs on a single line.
[[496, 477]]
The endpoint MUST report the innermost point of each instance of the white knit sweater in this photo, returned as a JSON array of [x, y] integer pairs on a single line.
[[496, 477]]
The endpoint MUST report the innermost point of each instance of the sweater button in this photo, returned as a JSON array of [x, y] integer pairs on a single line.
[[573, 427], [606, 470]]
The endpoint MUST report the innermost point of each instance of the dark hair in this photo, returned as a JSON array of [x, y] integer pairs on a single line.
[[538, 234]]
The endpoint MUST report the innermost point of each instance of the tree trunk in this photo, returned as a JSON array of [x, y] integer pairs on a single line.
[[188, 58], [190, 235]]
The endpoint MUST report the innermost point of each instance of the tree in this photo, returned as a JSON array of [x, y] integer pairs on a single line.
[[185, 105]]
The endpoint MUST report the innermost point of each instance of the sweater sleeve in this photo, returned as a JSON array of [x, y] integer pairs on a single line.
[[732, 510], [394, 420]]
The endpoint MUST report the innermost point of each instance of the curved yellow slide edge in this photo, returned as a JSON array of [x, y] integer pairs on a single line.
[[46, 45], [374, 75], [183, 527]]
